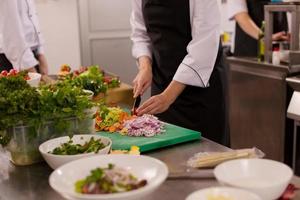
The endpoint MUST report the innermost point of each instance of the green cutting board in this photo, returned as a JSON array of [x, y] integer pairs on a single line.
[[173, 135]]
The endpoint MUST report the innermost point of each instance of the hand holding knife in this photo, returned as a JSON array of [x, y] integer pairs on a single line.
[[136, 104]]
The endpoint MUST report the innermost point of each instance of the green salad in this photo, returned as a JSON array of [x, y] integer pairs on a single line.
[[69, 148], [108, 180]]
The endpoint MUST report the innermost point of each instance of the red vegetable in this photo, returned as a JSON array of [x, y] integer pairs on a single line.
[[12, 72], [4, 73]]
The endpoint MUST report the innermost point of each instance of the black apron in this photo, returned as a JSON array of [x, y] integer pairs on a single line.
[[245, 45], [201, 109], [5, 64]]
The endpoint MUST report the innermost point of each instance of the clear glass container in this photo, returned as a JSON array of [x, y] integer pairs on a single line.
[[25, 140]]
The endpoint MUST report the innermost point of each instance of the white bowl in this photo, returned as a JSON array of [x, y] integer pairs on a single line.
[[154, 171], [231, 193], [54, 161], [267, 178], [34, 80]]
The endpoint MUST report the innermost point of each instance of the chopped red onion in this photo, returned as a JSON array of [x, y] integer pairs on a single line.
[[146, 125]]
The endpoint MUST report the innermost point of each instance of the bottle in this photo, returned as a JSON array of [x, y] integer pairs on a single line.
[[261, 43], [276, 56]]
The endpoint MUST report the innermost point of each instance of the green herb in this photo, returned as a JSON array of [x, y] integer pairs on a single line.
[[108, 180], [69, 148], [22, 105]]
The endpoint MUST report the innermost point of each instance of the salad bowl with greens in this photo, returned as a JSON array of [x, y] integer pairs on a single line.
[[109, 177], [62, 150]]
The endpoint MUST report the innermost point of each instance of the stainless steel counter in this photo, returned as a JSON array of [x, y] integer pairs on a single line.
[[31, 183]]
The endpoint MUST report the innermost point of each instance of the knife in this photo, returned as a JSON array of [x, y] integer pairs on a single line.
[[136, 104]]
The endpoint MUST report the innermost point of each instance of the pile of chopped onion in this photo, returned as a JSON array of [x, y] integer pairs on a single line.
[[146, 125]]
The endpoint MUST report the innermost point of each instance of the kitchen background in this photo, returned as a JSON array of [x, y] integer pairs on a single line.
[[85, 32]]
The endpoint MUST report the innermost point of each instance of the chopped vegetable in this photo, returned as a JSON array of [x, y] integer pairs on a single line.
[[69, 148], [108, 180], [146, 125], [111, 119]]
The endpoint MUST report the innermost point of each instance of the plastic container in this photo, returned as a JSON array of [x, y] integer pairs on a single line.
[[276, 56], [25, 140]]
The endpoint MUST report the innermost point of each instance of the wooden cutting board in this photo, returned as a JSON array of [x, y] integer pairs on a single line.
[[173, 135]]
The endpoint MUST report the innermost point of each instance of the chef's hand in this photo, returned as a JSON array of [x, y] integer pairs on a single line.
[[161, 102], [156, 104], [143, 79], [43, 65], [281, 36]]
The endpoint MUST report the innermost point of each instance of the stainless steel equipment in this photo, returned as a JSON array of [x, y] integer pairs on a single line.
[[294, 9], [258, 98], [294, 112]]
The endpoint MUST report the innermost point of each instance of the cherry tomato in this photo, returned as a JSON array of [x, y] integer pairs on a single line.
[[76, 73], [26, 78], [4, 73], [107, 79], [12, 72]]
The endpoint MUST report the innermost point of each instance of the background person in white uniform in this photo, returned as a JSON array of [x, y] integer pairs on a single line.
[[20, 37], [249, 15]]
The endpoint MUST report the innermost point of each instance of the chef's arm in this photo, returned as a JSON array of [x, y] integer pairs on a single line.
[[247, 24], [15, 47], [174, 89], [249, 27], [141, 50], [198, 64]]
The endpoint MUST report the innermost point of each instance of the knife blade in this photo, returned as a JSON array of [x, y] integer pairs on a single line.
[[136, 104]]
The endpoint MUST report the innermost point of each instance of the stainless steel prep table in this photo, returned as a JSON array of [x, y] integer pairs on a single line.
[[31, 182]]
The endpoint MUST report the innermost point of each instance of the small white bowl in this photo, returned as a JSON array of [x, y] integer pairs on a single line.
[[154, 171], [34, 80], [230, 193], [54, 161], [266, 178]]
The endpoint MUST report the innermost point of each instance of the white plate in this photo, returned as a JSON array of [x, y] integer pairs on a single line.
[[154, 171], [54, 161], [266, 178], [229, 193]]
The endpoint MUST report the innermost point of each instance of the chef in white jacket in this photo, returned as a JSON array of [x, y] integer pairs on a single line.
[[21, 42], [178, 51]]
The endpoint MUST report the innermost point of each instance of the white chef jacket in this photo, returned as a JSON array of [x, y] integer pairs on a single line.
[[20, 32], [198, 64], [235, 7]]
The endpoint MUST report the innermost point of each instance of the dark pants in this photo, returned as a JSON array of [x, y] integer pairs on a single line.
[[5, 64]]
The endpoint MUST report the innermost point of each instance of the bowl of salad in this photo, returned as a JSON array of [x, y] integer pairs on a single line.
[[59, 151], [109, 177]]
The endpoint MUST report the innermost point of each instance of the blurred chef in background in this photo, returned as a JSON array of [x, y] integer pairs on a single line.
[[249, 15], [177, 46], [21, 43]]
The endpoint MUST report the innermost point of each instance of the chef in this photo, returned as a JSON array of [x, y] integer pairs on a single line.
[[21, 43], [249, 15], [178, 51]]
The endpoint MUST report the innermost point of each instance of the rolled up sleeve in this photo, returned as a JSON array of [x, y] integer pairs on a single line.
[[235, 7], [139, 36], [198, 64]]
